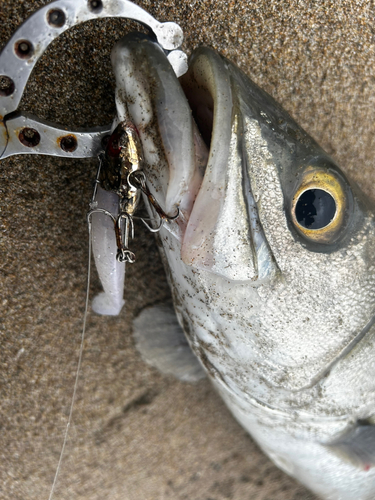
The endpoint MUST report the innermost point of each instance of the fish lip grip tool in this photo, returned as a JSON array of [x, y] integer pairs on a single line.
[[23, 133]]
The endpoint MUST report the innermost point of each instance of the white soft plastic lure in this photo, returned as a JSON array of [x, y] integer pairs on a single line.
[[270, 261]]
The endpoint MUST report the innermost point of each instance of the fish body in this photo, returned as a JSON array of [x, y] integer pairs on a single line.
[[275, 292]]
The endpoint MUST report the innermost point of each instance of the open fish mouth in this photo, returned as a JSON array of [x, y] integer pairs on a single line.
[[195, 155]]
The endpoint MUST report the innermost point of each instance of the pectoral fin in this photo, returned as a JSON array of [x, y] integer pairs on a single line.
[[162, 343], [357, 445]]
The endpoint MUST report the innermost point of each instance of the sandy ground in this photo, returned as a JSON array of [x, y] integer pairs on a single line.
[[137, 434]]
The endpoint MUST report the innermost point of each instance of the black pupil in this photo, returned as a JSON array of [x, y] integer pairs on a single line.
[[315, 209]]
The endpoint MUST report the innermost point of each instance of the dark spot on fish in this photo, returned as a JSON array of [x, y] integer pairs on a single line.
[[144, 399], [96, 6]]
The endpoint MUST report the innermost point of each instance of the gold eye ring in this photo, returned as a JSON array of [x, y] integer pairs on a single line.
[[319, 205]]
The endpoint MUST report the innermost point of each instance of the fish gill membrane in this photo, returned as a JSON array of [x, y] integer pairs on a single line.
[[271, 262]]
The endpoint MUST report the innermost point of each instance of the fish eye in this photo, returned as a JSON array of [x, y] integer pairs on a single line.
[[319, 205], [315, 209]]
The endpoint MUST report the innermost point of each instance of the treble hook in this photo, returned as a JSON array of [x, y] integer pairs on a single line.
[[137, 179], [122, 238], [150, 228], [122, 233], [124, 152]]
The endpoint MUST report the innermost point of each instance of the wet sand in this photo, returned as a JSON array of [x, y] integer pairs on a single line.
[[137, 434]]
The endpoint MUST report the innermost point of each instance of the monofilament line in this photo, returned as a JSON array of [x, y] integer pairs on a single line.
[[77, 372]]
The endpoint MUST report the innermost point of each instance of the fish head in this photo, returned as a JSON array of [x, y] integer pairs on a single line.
[[264, 211], [227, 154]]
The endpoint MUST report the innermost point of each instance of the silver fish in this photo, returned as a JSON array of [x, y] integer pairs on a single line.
[[271, 262]]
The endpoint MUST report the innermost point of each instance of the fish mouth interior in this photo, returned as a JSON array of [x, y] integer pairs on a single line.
[[201, 104], [224, 233]]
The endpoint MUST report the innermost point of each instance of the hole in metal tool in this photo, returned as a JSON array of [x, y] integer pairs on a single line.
[[95, 6], [56, 18], [6, 86], [29, 137], [68, 143], [23, 49]]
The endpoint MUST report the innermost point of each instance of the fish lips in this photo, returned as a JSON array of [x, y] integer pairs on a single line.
[[196, 156]]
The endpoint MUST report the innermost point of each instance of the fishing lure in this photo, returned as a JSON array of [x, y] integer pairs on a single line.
[[120, 178]]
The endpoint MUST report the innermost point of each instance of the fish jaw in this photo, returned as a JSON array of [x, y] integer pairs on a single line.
[[148, 92], [223, 235], [219, 227]]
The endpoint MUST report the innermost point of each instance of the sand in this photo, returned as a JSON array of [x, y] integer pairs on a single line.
[[137, 434]]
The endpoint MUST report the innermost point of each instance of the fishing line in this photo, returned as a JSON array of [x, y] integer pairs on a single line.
[[78, 369]]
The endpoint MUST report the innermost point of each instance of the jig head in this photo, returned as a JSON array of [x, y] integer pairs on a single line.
[[120, 171]]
